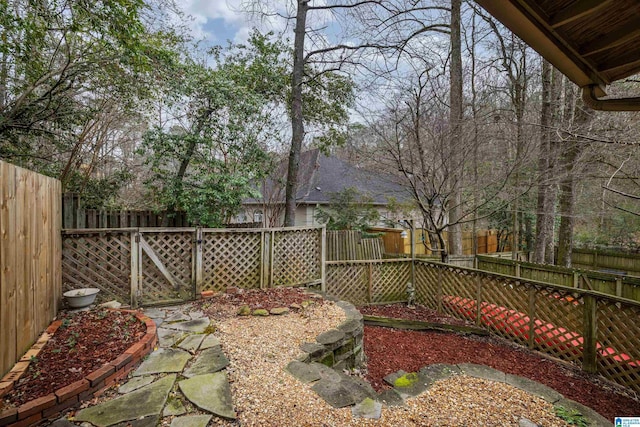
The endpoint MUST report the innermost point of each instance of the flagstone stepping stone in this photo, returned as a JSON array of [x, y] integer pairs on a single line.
[[198, 314], [176, 318], [191, 421], [144, 402], [208, 361], [134, 384], [155, 313], [148, 421], [196, 326], [191, 343], [163, 360], [368, 408], [174, 407], [279, 311], [210, 392], [209, 342], [168, 337]]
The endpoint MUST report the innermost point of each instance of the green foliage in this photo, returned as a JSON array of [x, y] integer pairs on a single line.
[[571, 416], [206, 165], [348, 210]]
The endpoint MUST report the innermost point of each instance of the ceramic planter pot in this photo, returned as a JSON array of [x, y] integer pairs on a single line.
[[79, 298]]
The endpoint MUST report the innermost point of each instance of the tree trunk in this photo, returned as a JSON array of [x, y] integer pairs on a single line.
[[570, 163], [455, 122], [542, 237], [297, 122]]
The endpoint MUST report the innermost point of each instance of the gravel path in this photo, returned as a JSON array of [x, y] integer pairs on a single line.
[[265, 395]]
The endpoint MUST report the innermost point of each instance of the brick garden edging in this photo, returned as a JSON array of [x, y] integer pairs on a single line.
[[92, 385]]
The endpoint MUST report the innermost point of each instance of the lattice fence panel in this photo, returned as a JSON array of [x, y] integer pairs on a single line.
[[389, 281], [231, 259], [619, 344], [459, 293], [174, 250], [101, 260], [559, 324], [348, 282], [504, 308], [296, 257], [426, 285]]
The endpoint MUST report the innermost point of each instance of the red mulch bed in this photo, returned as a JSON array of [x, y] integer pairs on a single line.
[[389, 350], [83, 343]]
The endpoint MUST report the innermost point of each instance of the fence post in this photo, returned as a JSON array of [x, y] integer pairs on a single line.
[[589, 354], [270, 259], [413, 253], [517, 269], [576, 279], [478, 299], [135, 268], [198, 267], [618, 286], [323, 259], [532, 316], [439, 290], [370, 282]]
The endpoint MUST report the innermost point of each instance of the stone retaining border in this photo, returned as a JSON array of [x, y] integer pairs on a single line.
[[339, 348], [93, 385]]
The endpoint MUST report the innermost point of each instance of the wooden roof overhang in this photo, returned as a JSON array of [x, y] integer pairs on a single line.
[[592, 42]]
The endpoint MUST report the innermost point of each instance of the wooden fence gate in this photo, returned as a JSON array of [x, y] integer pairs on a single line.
[[148, 266]]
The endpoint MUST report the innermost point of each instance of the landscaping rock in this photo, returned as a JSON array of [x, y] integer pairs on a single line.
[[523, 422], [368, 408], [534, 387], [313, 348], [411, 384], [390, 398], [176, 317], [245, 310], [330, 337], [191, 421], [482, 371], [144, 402], [305, 372], [148, 421], [210, 392], [333, 393], [163, 360], [208, 361], [260, 312], [439, 371], [279, 311]]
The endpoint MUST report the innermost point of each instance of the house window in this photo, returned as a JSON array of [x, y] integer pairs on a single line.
[[257, 216]]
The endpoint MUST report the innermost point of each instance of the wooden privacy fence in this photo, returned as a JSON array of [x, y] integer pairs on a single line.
[[605, 260], [598, 332], [30, 273], [612, 284], [350, 245], [144, 266]]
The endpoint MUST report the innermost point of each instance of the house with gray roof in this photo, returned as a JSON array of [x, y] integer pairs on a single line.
[[319, 177]]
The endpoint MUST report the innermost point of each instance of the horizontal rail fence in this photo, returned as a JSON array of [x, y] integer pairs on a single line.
[[622, 286], [606, 260], [598, 332], [369, 282], [157, 265], [30, 271]]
